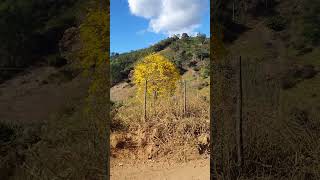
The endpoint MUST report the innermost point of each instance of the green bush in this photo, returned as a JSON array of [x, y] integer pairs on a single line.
[[311, 21], [122, 64], [205, 72], [311, 32], [277, 23], [7, 133]]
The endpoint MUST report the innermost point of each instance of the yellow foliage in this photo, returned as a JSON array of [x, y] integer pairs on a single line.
[[94, 61], [94, 34], [160, 73], [218, 48]]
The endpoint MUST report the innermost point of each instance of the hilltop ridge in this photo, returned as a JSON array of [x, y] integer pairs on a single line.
[[185, 52]]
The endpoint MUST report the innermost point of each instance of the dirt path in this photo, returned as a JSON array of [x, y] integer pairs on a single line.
[[193, 170]]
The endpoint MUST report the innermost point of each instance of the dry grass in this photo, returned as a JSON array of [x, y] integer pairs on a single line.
[[167, 132], [281, 137], [68, 147]]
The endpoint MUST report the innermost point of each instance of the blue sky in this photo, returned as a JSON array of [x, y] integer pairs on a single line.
[[130, 27]]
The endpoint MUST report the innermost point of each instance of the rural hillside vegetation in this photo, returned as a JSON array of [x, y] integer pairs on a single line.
[[185, 52], [278, 42], [34, 28], [54, 89], [170, 129]]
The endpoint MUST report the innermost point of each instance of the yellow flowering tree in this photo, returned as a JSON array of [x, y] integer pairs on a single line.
[[160, 73], [93, 59]]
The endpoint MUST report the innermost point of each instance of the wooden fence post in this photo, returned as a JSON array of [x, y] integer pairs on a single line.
[[145, 102], [185, 97], [239, 121], [233, 11]]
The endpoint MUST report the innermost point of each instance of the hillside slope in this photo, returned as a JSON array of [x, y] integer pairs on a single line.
[[280, 75], [172, 141], [46, 126], [29, 38], [184, 52], [41, 86]]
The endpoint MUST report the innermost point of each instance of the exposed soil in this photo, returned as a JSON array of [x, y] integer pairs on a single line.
[[122, 91], [35, 95], [160, 170]]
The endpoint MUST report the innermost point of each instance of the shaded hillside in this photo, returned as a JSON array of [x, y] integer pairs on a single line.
[[48, 125], [31, 31], [297, 21], [280, 50], [185, 52]]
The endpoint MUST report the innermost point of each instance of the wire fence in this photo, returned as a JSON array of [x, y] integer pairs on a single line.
[[186, 100], [247, 104]]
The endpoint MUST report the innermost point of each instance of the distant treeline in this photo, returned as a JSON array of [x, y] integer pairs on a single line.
[[179, 49]]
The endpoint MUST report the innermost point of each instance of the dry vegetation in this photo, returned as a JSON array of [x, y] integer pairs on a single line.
[[53, 119], [280, 92], [60, 142], [280, 138], [167, 132]]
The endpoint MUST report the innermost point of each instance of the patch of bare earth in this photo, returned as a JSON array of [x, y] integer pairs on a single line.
[[160, 170], [33, 96], [122, 91]]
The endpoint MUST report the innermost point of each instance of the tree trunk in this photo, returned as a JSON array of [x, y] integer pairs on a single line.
[[145, 102]]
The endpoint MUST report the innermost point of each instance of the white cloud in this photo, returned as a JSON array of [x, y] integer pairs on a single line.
[[145, 8], [141, 32], [170, 16]]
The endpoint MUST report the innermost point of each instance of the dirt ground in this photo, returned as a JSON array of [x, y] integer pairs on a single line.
[[160, 170], [31, 98]]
